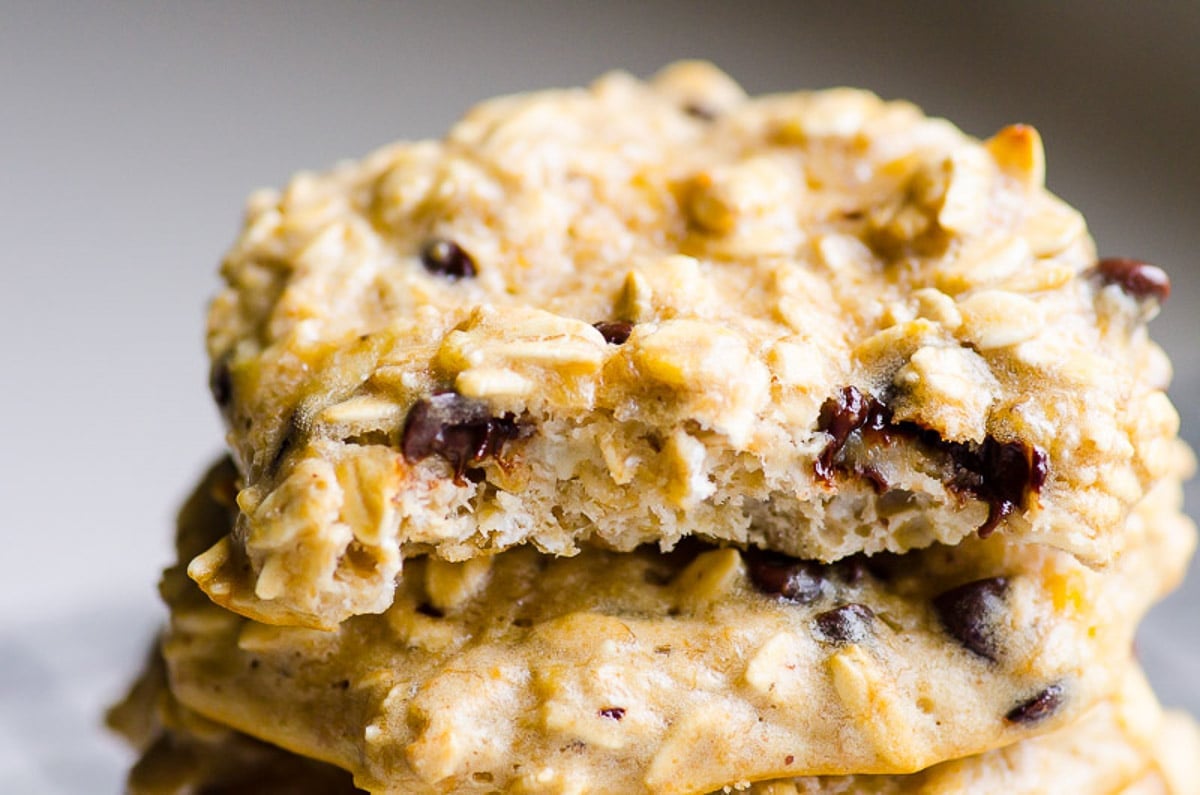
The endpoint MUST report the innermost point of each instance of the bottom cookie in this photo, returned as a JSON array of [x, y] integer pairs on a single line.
[[645, 672], [1124, 746], [184, 753]]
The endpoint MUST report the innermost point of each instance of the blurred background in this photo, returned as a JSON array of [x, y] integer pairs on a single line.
[[131, 132]]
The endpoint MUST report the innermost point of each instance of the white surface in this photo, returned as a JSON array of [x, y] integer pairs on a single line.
[[130, 133]]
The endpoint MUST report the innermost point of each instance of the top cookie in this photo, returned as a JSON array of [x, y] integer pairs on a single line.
[[820, 323]]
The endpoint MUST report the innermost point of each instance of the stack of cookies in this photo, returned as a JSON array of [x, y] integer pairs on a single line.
[[653, 438]]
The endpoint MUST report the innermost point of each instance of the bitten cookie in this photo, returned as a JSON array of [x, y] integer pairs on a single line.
[[1124, 746], [676, 673], [816, 323]]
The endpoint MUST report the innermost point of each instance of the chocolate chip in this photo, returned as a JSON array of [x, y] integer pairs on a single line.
[[615, 332], [846, 624], [1038, 708], [1000, 473], [220, 382], [787, 760], [796, 580], [447, 258], [1138, 279], [1039, 469], [1003, 474], [613, 713], [457, 429], [873, 476], [969, 614], [698, 111], [849, 411]]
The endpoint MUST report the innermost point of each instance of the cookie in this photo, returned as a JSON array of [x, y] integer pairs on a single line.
[[681, 672], [181, 752], [1124, 746], [817, 323]]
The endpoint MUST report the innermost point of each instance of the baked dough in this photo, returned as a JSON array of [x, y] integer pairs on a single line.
[[182, 753], [675, 673], [818, 323], [1124, 746]]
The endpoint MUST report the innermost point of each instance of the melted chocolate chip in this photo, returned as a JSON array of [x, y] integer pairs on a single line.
[[447, 258], [1039, 469], [873, 476], [1038, 708], [842, 415], [1138, 279], [846, 624], [220, 383], [969, 613], [796, 580], [615, 332], [456, 429], [613, 713], [1000, 473]]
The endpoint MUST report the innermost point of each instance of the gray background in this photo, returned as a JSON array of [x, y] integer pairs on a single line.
[[131, 132]]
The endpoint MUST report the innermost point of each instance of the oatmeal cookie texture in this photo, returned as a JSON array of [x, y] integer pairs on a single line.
[[1125, 746], [635, 312], [676, 673], [417, 352]]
